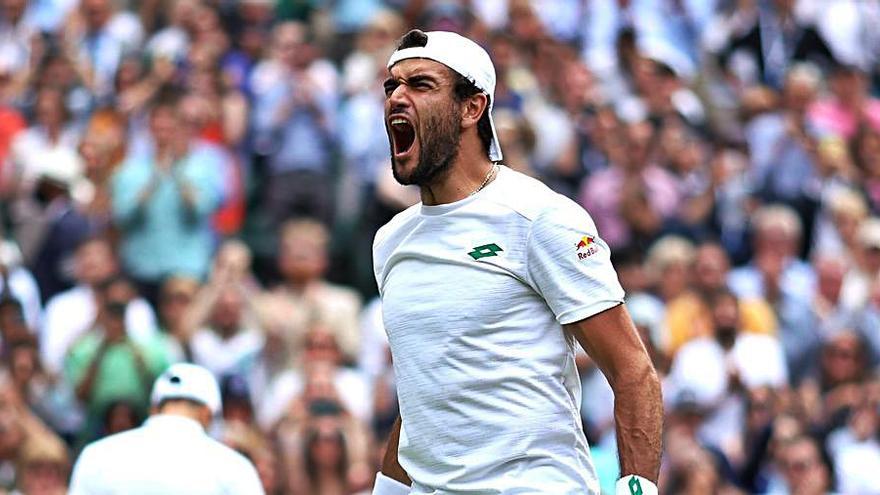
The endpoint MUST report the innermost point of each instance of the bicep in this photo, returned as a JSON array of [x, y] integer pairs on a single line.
[[611, 340]]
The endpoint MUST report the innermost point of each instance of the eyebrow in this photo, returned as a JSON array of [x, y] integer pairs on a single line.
[[411, 80]]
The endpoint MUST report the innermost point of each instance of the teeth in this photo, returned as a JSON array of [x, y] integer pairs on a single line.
[[398, 121]]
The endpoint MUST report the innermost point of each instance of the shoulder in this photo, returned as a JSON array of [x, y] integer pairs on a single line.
[[66, 299], [111, 446], [400, 223], [228, 460], [530, 198]]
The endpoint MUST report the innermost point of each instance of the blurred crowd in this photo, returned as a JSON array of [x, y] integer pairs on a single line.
[[200, 180]]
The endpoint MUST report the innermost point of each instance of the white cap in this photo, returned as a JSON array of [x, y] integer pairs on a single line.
[[464, 57], [187, 381], [61, 166]]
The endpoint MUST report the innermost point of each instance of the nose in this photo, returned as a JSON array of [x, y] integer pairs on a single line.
[[398, 99]]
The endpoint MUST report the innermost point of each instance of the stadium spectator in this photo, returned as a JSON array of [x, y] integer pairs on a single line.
[[50, 398], [849, 107], [107, 364], [58, 228], [175, 299], [164, 226], [43, 466], [776, 271], [803, 468], [761, 40], [316, 383], [72, 313], [226, 342], [305, 298], [718, 368], [17, 282], [103, 148], [859, 279], [630, 199], [295, 123], [688, 316]]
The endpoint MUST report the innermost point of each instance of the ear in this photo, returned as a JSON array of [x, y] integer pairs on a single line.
[[472, 109]]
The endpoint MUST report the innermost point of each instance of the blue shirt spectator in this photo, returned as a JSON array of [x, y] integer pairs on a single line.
[[164, 209]]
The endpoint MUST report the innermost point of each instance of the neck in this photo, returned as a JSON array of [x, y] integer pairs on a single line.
[[467, 173], [189, 411]]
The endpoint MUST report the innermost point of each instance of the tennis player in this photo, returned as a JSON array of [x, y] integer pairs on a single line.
[[487, 286]]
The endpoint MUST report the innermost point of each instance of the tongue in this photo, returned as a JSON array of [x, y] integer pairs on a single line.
[[404, 137]]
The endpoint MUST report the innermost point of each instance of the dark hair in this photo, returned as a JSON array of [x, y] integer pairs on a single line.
[[413, 39], [167, 99], [462, 88]]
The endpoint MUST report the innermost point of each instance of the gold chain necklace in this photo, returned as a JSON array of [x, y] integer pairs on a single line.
[[489, 176]]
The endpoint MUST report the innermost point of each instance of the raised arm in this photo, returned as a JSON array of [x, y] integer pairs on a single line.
[[611, 339]]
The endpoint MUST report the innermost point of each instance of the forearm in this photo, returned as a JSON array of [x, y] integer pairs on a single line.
[[638, 416], [390, 466]]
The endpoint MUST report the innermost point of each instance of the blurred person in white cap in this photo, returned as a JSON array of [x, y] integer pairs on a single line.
[[486, 284], [171, 453]]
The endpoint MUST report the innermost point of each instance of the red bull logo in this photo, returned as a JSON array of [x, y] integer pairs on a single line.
[[585, 242], [588, 245]]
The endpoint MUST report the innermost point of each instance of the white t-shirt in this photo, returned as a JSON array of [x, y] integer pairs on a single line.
[[72, 313], [169, 454], [225, 356], [354, 391], [473, 295]]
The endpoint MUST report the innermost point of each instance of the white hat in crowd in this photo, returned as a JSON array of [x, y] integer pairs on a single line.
[[465, 57], [187, 381]]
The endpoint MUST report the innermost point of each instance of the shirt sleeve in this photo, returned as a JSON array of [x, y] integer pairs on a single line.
[[569, 265]]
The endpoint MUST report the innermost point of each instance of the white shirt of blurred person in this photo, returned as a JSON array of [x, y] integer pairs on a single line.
[[477, 282], [226, 343], [50, 138], [775, 268], [72, 313], [97, 36], [294, 124], [318, 377], [854, 447], [17, 282], [304, 298], [858, 281], [171, 452], [713, 368]]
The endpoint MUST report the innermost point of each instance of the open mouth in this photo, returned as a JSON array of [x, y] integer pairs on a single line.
[[403, 135]]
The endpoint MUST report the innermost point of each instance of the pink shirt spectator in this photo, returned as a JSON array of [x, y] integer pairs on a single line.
[[830, 116], [600, 196]]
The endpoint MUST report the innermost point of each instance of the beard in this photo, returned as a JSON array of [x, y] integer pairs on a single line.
[[439, 141]]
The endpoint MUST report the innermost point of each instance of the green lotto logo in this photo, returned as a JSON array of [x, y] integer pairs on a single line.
[[635, 488], [485, 251]]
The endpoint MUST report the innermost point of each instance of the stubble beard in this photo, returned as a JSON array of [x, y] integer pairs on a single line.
[[439, 143]]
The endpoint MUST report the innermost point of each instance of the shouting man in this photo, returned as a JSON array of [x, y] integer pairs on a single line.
[[486, 285]]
